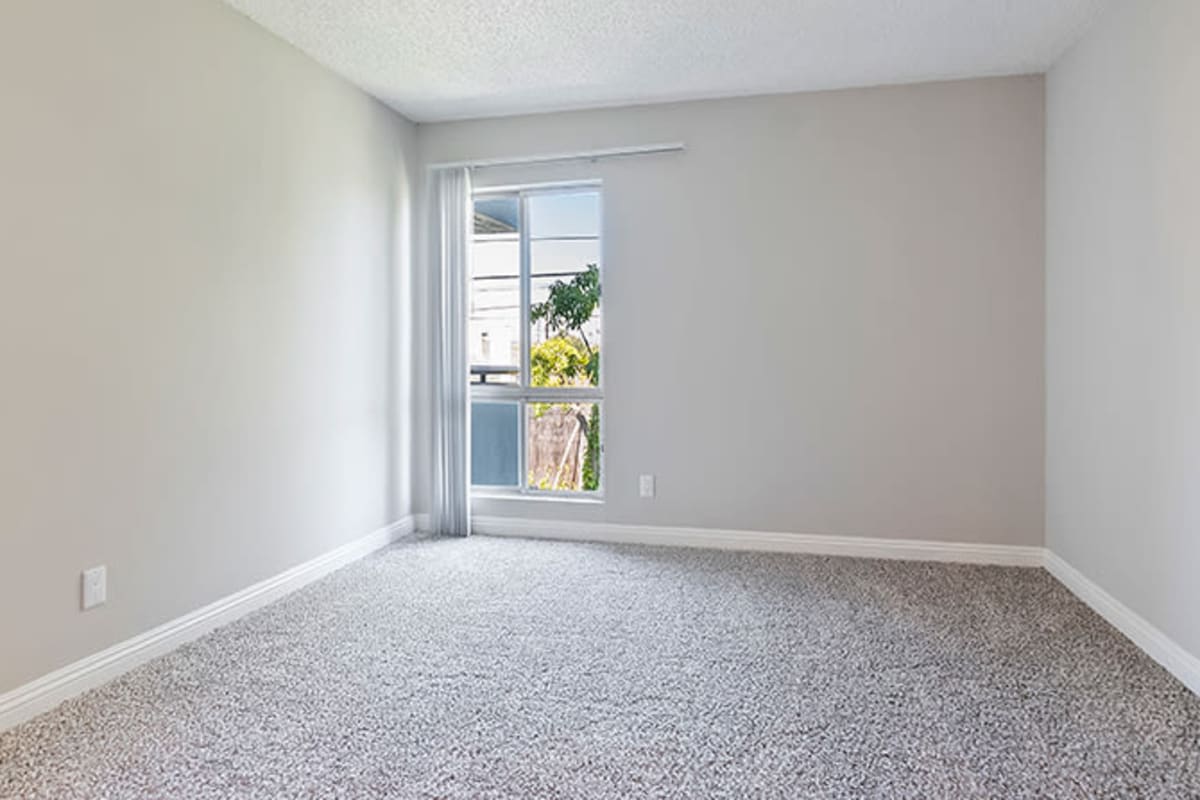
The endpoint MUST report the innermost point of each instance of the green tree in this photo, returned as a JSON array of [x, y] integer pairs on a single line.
[[566, 356], [560, 361], [568, 307]]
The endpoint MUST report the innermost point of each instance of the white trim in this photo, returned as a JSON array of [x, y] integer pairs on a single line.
[[577, 155], [1153, 642], [595, 498], [854, 546], [44, 693], [514, 392]]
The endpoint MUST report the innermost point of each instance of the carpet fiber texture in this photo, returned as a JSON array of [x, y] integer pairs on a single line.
[[507, 668]]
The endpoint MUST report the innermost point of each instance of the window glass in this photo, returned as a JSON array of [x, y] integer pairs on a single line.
[[563, 447], [564, 336], [564, 214], [495, 439], [496, 214], [494, 324], [564, 331], [563, 257]]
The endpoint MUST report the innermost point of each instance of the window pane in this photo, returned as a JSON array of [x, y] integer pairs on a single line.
[[575, 214], [494, 330], [495, 437], [563, 446], [559, 257], [496, 214], [564, 331], [494, 327], [495, 257]]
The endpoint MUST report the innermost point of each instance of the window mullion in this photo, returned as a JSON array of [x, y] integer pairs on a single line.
[[525, 290], [522, 470]]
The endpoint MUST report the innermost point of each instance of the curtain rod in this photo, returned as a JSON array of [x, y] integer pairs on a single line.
[[581, 155]]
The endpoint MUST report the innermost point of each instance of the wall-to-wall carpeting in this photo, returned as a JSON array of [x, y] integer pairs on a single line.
[[506, 668]]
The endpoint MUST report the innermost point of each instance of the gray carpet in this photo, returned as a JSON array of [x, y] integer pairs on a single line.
[[505, 668]]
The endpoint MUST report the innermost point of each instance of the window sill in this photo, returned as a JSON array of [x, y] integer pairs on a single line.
[[538, 498]]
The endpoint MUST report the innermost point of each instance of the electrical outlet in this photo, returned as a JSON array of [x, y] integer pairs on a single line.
[[95, 587], [646, 486]]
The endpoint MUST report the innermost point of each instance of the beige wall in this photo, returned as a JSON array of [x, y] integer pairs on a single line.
[[825, 317], [202, 244], [1123, 311]]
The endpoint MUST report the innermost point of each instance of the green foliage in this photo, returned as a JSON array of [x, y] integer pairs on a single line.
[[570, 304], [591, 456], [560, 361], [542, 483]]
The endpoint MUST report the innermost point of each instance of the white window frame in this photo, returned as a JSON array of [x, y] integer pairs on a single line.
[[522, 393]]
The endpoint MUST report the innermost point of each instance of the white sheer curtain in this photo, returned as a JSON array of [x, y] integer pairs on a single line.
[[450, 220]]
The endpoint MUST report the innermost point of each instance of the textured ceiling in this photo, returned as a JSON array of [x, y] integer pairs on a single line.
[[445, 59]]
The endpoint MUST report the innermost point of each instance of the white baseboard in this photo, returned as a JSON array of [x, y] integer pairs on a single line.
[[1156, 644], [854, 546], [38, 696]]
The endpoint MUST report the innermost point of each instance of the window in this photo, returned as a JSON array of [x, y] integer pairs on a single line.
[[535, 341]]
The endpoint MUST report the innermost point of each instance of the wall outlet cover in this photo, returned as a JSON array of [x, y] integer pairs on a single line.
[[646, 486], [95, 587]]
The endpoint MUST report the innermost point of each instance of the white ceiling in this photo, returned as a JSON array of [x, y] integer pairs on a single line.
[[447, 59]]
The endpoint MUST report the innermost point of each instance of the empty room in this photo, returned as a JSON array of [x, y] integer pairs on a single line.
[[419, 399]]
